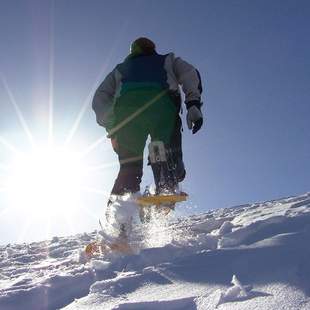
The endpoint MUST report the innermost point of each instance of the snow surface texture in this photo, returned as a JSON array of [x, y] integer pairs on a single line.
[[248, 257]]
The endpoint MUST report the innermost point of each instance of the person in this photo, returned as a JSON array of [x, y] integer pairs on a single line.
[[141, 98]]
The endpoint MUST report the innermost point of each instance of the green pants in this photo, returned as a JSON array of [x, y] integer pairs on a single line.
[[160, 120]]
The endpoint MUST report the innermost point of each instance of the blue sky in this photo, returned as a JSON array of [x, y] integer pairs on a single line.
[[253, 57]]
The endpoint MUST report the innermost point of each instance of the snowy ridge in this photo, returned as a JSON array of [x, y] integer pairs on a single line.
[[254, 256]]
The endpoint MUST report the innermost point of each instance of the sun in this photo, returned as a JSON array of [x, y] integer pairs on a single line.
[[48, 190], [46, 180]]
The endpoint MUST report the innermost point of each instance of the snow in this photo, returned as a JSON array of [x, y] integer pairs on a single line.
[[253, 256]]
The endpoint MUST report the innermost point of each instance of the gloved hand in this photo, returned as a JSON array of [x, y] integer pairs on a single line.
[[114, 144], [105, 119], [194, 118]]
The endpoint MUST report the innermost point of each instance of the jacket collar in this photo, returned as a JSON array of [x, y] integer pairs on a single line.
[[131, 56]]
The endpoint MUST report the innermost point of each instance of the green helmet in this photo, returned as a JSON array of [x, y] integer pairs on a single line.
[[142, 46]]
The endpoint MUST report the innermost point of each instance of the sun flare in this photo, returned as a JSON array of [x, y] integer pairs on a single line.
[[47, 179], [56, 187]]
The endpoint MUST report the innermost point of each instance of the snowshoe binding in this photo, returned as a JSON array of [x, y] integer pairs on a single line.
[[167, 192]]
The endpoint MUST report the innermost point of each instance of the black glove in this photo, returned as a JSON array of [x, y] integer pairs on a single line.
[[105, 119], [194, 116]]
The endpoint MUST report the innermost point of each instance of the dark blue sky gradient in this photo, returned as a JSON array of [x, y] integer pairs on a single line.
[[254, 61]]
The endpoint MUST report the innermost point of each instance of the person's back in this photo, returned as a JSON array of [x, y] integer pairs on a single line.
[[141, 97]]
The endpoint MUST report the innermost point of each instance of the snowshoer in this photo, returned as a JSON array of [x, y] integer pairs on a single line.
[[141, 98]]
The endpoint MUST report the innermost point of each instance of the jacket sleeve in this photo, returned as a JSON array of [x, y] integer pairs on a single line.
[[189, 78], [103, 101]]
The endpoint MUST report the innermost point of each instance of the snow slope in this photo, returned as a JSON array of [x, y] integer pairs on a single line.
[[254, 256]]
